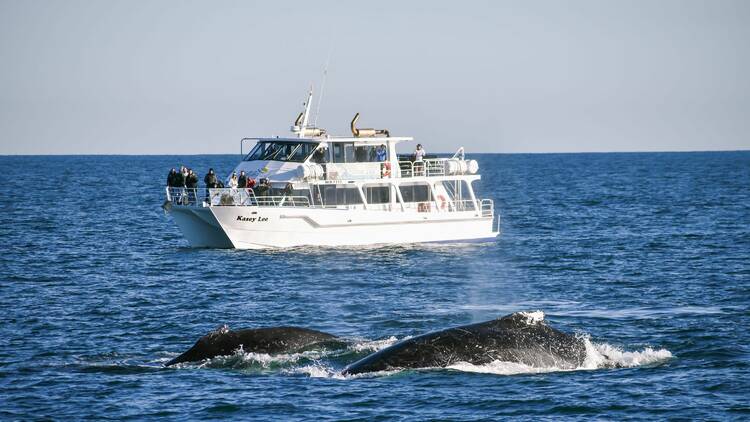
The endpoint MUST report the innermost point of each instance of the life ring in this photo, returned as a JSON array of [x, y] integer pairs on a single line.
[[443, 202], [385, 170]]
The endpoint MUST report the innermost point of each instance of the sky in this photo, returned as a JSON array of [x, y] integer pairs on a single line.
[[191, 77]]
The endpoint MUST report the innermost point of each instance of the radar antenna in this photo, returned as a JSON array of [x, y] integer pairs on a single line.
[[322, 87]]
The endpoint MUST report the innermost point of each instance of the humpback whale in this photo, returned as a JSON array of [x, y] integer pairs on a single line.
[[223, 341], [522, 337]]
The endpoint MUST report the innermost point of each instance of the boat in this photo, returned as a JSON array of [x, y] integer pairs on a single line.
[[315, 189]]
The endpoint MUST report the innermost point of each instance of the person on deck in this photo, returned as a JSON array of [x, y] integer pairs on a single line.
[[233, 182], [170, 178], [419, 154], [211, 182], [191, 183], [319, 156], [242, 180], [381, 153]]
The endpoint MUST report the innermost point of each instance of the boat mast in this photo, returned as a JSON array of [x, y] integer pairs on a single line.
[[306, 114]]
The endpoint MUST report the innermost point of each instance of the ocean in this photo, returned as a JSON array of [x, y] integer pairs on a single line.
[[646, 255]]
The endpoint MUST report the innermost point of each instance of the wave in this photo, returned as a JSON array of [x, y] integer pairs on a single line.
[[327, 363], [598, 356]]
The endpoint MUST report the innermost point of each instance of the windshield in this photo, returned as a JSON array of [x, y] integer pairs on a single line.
[[281, 151]]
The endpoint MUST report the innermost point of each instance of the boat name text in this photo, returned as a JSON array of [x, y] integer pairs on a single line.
[[252, 219]]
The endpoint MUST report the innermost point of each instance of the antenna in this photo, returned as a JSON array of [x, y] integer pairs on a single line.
[[322, 87]]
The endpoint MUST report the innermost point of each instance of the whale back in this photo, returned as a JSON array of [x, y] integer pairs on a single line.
[[519, 337], [271, 340]]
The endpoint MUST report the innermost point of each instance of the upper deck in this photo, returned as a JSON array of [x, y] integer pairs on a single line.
[[313, 156]]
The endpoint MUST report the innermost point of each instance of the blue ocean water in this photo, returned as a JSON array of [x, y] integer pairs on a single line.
[[648, 254]]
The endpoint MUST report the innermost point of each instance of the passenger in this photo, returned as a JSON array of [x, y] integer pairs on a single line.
[[263, 187], [233, 182], [191, 183], [419, 153], [288, 189], [184, 172], [210, 179], [381, 152], [319, 156], [170, 178], [178, 179], [242, 180], [211, 182]]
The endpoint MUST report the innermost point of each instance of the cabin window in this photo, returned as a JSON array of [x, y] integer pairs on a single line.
[[459, 192], [365, 153], [343, 152], [281, 151], [377, 194], [330, 195], [415, 193]]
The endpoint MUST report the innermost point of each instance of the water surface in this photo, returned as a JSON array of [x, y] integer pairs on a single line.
[[648, 254]]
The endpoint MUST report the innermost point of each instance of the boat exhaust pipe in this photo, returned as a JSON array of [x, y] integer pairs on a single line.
[[366, 133]]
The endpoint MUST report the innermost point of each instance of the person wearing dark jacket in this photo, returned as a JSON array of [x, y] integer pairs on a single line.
[[242, 180], [178, 180], [170, 177], [191, 183], [211, 182]]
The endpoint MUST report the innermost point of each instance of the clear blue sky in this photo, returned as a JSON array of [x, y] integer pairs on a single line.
[[177, 77]]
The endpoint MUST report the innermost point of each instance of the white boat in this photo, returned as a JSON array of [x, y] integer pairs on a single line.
[[315, 189]]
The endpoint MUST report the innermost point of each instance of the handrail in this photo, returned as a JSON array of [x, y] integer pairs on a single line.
[[487, 207], [222, 197], [427, 167], [219, 197]]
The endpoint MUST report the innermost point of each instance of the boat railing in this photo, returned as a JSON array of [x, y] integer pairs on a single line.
[[428, 167], [219, 197], [458, 205], [487, 207], [222, 197]]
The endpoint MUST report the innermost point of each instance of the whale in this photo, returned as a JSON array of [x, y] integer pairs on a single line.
[[270, 340], [521, 337]]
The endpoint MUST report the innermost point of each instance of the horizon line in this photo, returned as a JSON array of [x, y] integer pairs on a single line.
[[437, 153]]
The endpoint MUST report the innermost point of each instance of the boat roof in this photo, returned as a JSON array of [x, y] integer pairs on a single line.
[[376, 140]]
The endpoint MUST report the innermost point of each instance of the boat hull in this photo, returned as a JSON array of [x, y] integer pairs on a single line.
[[284, 227]]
